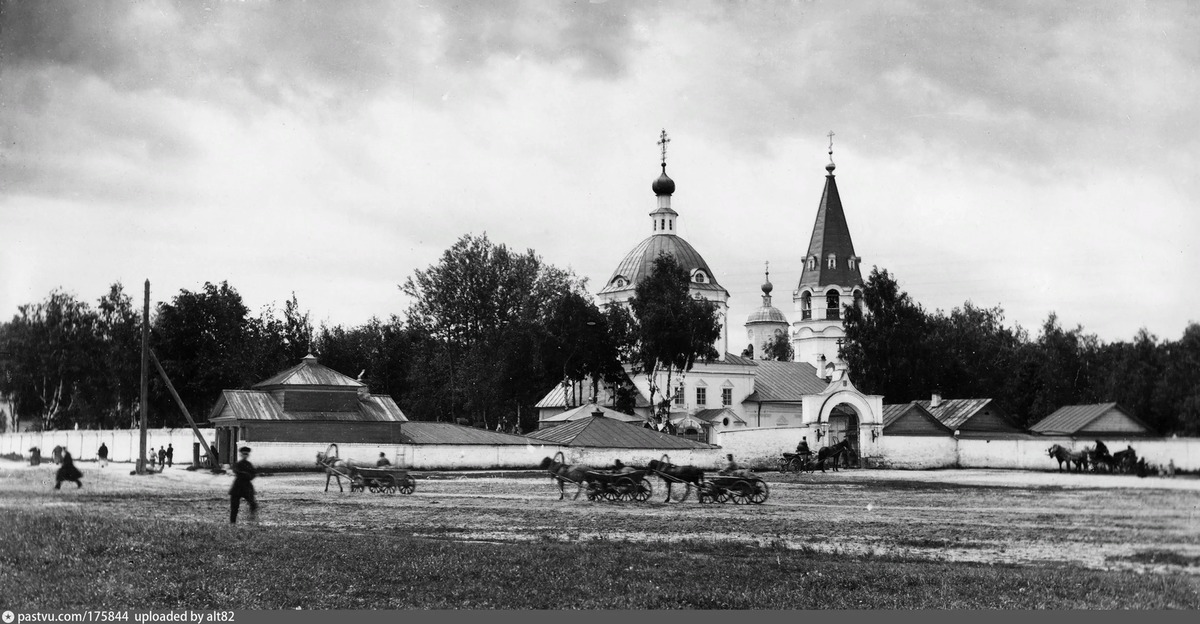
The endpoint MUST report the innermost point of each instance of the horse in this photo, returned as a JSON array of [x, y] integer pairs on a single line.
[[561, 472], [1078, 458], [336, 468], [689, 475], [832, 452], [1098, 455]]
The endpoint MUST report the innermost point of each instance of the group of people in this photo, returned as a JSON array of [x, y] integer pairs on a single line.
[[165, 456]]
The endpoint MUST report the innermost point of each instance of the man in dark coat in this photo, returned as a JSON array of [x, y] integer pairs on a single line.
[[382, 461], [170, 455], [243, 474], [102, 454], [67, 472], [162, 457]]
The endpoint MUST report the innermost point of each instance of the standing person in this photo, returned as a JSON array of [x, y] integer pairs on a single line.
[[243, 474], [102, 454], [170, 455], [151, 459], [162, 457], [67, 472]]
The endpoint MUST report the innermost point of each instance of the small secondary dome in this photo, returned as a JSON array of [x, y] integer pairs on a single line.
[[663, 185]]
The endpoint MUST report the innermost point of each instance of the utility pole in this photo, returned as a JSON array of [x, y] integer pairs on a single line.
[[141, 462]]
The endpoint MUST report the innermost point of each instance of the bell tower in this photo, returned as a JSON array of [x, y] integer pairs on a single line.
[[830, 281]]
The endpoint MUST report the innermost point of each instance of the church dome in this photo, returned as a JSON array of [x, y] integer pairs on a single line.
[[663, 185], [767, 314], [638, 263]]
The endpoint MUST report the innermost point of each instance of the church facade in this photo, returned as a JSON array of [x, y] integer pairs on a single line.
[[812, 393]]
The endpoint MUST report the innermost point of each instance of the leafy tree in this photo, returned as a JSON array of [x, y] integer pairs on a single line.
[[674, 329], [485, 311], [207, 342], [778, 348], [115, 379], [51, 346], [885, 346]]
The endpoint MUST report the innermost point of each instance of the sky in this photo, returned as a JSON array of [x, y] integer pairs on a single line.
[[1042, 157]]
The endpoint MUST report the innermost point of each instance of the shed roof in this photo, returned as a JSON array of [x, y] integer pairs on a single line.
[[709, 415], [1070, 419], [262, 405], [309, 372], [954, 412], [784, 381], [414, 432], [608, 433], [584, 411]]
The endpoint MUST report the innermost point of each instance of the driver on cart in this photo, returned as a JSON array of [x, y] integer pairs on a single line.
[[732, 469], [802, 449]]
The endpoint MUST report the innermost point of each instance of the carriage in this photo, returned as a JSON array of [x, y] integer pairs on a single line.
[[621, 485], [795, 462], [381, 480], [739, 489]]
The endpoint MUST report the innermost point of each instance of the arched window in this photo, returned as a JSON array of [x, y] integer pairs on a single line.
[[699, 277], [833, 305], [832, 261], [850, 263], [806, 306]]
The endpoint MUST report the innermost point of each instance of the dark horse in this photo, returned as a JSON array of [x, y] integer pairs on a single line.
[[688, 475], [1078, 458], [562, 472], [832, 452]]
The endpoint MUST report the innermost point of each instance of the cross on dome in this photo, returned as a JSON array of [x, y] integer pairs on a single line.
[[662, 143]]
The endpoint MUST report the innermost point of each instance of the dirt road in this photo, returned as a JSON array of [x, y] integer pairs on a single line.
[[1026, 518]]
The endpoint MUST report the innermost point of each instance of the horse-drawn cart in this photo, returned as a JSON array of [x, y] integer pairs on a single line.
[[621, 485], [381, 480], [738, 489]]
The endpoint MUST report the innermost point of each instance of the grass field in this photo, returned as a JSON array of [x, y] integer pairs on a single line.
[[856, 540]]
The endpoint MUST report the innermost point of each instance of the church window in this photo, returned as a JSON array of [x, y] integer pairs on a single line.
[[833, 305], [726, 396], [679, 395], [700, 277], [805, 306], [832, 261], [664, 224], [850, 263], [671, 225], [701, 396], [812, 263]]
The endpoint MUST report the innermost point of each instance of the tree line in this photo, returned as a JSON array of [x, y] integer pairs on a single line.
[[488, 332], [895, 348]]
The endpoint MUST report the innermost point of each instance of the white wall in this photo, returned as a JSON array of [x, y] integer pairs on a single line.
[[917, 452], [123, 447], [123, 444]]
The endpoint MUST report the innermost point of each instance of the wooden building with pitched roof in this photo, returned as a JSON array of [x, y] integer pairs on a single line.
[[1101, 419], [308, 402]]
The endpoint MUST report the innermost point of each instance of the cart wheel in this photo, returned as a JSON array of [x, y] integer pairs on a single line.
[[643, 491], [387, 484], [760, 493], [357, 484], [626, 489], [407, 485], [741, 492]]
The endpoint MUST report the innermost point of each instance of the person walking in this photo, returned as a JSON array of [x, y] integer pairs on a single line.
[[102, 455], [170, 455], [67, 472], [243, 474], [162, 457], [151, 459]]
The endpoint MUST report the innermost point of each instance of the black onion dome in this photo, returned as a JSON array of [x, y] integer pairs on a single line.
[[663, 185]]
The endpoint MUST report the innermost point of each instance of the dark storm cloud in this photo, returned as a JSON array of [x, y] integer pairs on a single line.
[[1019, 81]]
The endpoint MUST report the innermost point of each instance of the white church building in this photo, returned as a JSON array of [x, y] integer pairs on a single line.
[[811, 396]]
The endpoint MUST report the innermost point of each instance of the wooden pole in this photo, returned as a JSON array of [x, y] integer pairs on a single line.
[[141, 462], [179, 402]]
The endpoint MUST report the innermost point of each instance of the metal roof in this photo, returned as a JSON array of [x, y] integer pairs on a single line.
[[261, 405], [830, 235], [954, 412], [309, 373], [414, 432], [638, 263], [608, 433], [892, 413], [709, 415], [583, 411], [1070, 419], [785, 381]]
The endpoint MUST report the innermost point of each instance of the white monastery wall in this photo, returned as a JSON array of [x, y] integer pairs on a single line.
[[757, 448]]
